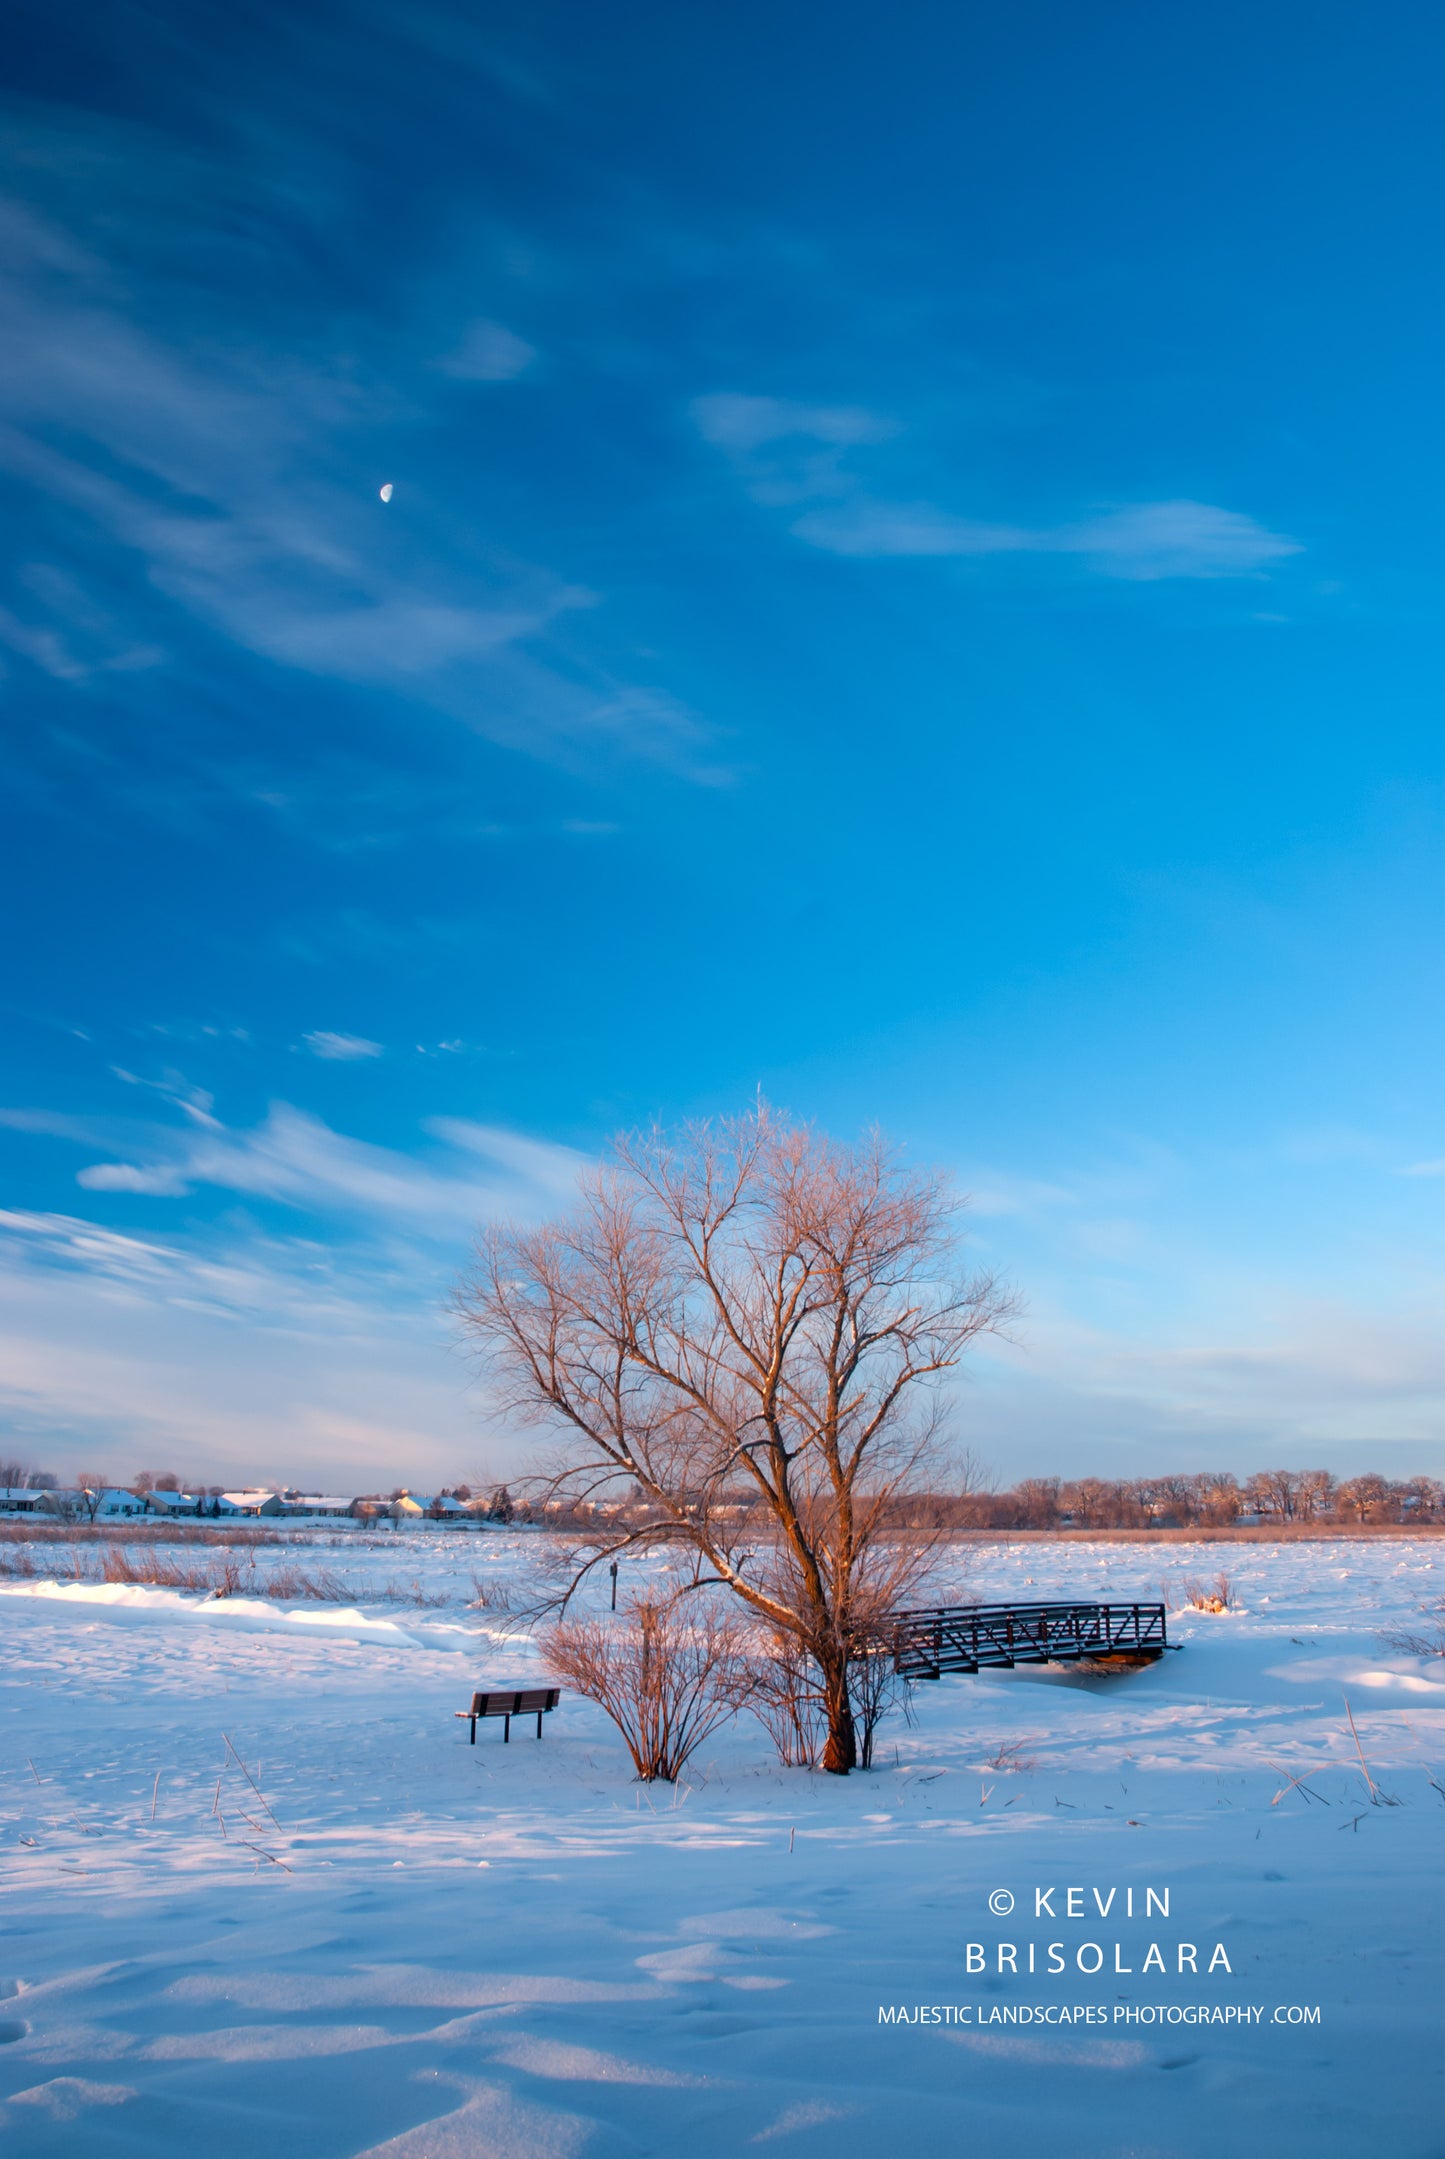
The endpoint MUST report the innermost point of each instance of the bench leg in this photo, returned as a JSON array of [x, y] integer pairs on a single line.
[[474, 1731], [539, 1723], [506, 1731]]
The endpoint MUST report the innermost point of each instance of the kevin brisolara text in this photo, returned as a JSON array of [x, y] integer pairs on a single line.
[[981, 2013]]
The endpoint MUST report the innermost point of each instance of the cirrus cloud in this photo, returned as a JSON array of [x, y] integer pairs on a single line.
[[341, 1049], [793, 455], [1141, 541]]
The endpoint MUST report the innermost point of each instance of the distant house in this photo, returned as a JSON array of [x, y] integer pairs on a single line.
[[171, 1504], [420, 1508], [301, 1506], [484, 1514], [65, 1501], [252, 1503], [446, 1509], [16, 1499], [115, 1506]]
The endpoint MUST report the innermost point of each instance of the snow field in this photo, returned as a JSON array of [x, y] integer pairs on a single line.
[[400, 1944]]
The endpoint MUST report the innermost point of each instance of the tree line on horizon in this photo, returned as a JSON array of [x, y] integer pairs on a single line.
[[1206, 1499]]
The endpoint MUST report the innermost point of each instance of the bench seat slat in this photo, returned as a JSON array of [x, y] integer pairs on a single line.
[[511, 1701]]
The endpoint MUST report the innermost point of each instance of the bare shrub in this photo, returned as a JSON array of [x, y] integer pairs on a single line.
[[1199, 1597], [667, 1685]]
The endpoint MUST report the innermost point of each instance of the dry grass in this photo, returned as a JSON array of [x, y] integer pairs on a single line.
[[489, 1595], [212, 1576], [32, 1531], [1203, 1533], [224, 1577], [20, 1565], [409, 1593], [169, 1570], [1428, 1641], [1010, 1756]]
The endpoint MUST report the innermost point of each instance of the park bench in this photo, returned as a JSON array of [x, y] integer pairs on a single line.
[[509, 1702]]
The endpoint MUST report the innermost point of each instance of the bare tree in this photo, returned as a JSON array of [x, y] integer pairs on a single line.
[[744, 1325], [1038, 1502], [1217, 1496], [1276, 1492], [1364, 1497], [91, 1486], [1316, 1495]]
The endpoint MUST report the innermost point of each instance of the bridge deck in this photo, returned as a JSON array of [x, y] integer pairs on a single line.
[[974, 1637]]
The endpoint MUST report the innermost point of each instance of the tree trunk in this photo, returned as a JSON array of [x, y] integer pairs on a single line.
[[840, 1754]]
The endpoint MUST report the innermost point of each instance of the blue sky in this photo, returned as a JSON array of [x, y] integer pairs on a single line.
[[912, 581]]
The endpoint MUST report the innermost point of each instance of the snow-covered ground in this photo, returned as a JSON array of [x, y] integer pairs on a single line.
[[378, 1939]]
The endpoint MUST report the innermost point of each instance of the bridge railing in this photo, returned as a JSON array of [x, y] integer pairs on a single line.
[[968, 1637]]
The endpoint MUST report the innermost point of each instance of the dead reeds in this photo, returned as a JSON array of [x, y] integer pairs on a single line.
[[1216, 1597], [1427, 1641], [34, 1531], [210, 1576]]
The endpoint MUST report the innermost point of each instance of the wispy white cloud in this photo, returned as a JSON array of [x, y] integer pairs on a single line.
[[734, 422], [1173, 539], [489, 352], [341, 1049], [193, 1102], [133, 1351], [774, 444], [156, 1179], [1143, 542], [540, 1164], [866, 527], [300, 1161], [146, 1344], [239, 483]]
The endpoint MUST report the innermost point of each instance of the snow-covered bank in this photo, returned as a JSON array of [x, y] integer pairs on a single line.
[[263, 1895]]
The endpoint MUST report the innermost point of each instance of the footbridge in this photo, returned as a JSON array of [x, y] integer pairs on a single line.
[[983, 1637]]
